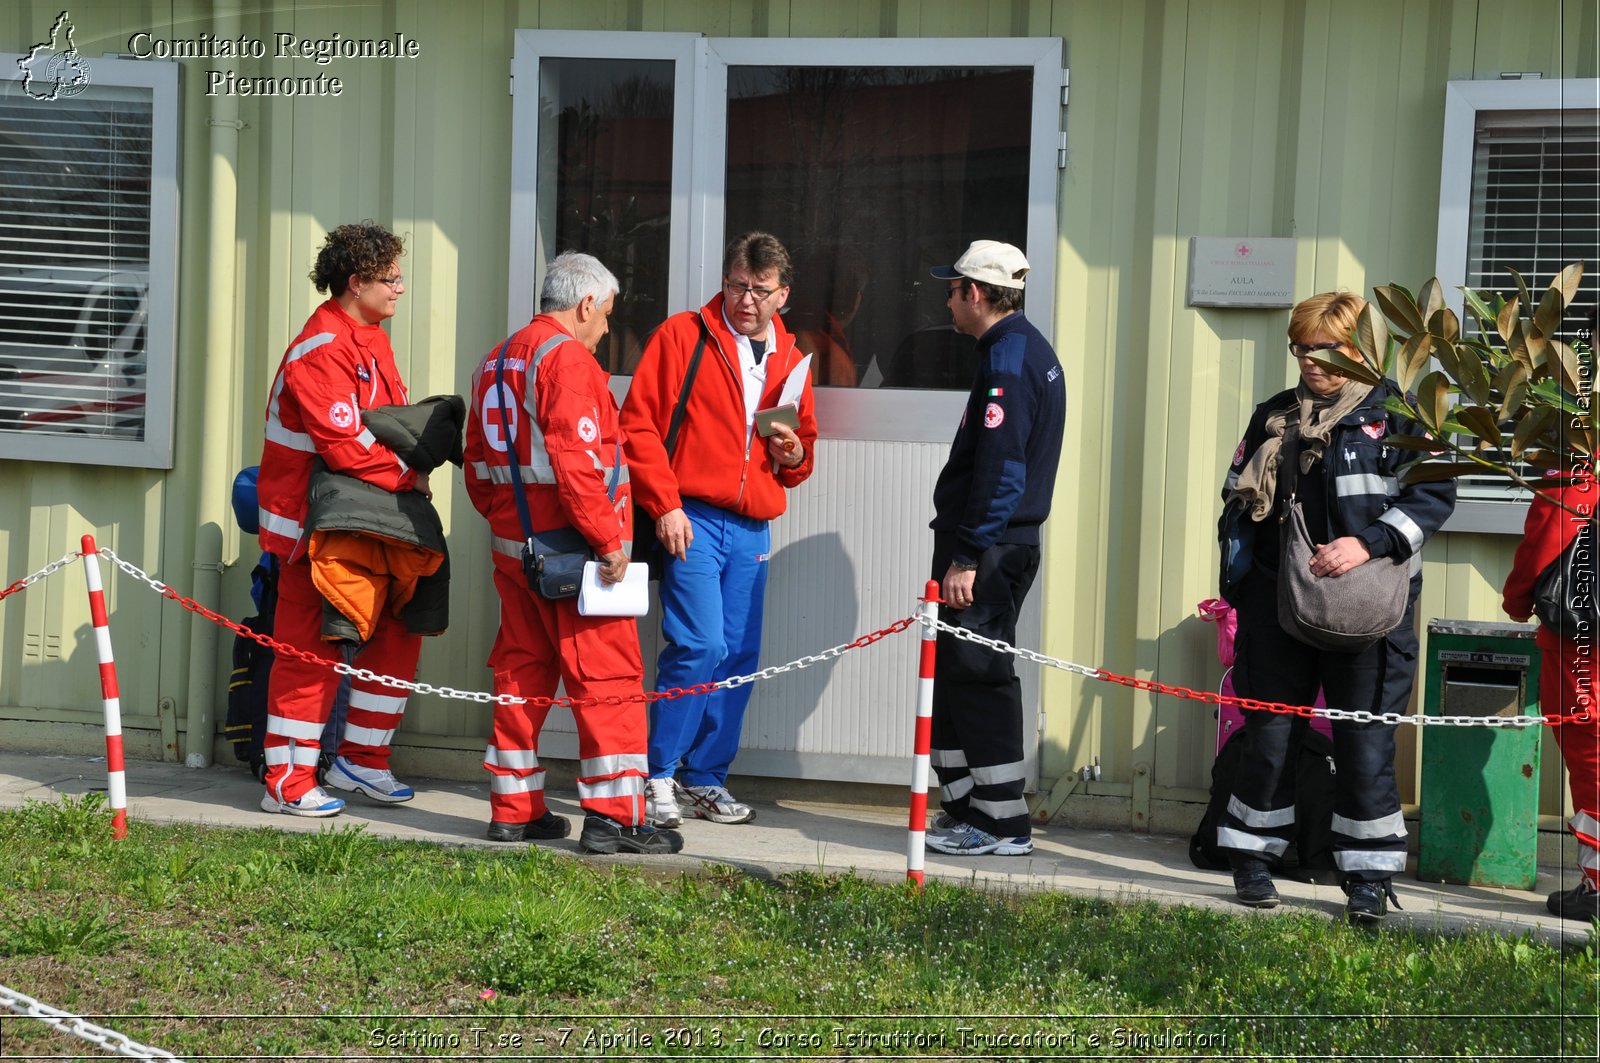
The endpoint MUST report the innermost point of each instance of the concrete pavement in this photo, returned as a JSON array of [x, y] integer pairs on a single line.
[[798, 836]]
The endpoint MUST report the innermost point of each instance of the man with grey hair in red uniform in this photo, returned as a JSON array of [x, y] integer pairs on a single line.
[[542, 401]]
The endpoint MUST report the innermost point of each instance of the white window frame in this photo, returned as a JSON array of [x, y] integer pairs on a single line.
[[699, 178], [1463, 101], [154, 451], [530, 46]]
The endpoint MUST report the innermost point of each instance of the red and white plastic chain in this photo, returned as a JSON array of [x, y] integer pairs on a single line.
[[62, 562], [481, 697], [1210, 697]]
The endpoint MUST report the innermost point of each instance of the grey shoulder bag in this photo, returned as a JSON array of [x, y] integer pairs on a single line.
[[1344, 613]]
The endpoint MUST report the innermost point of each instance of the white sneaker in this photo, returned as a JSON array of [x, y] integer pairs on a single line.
[[314, 802], [661, 803], [717, 804], [377, 783], [966, 840]]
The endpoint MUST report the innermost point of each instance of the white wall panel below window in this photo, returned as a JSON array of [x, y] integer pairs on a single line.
[[850, 557]]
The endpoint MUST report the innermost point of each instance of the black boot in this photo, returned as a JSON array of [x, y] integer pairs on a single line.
[[602, 835], [1580, 902], [1252, 881], [548, 827], [1367, 902]]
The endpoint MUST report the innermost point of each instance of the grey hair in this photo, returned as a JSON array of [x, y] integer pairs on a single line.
[[573, 276]]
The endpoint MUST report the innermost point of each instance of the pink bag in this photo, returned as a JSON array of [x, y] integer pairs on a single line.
[[1230, 718]]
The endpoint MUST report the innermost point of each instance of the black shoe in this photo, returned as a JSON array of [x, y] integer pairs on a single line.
[[1252, 882], [547, 827], [1580, 902], [602, 835], [1367, 902]]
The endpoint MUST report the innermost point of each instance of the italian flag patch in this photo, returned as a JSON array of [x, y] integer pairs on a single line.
[[995, 393]]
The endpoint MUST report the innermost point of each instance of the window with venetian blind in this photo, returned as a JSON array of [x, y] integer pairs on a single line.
[[88, 231]]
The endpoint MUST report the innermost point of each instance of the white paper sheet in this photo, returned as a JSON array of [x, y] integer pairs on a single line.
[[795, 382], [631, 597]]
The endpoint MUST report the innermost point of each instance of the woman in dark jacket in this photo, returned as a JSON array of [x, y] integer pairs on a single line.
[[1355, 509]]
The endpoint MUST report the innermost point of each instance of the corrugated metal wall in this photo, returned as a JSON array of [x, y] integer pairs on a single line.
[[1312, 119]]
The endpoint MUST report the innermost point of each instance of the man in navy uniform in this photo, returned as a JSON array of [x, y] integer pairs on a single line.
[[989, 502]]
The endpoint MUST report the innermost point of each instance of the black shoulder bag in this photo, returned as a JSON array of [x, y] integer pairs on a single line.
[[552, 560], [1565, 597], [647, 548]]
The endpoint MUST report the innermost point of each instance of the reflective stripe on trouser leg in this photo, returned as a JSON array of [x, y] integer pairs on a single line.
[[524, 664], [1259, 818], [516, 784], [376, 708], [977, 735], [1369, 835], [1260, 814], [541, 643], [612, 747], [299, 693], [955, 782]]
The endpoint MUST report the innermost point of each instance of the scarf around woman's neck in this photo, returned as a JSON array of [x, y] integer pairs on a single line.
[[1315, 415]]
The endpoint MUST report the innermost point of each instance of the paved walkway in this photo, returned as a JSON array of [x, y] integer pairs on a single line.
[[798, 836]]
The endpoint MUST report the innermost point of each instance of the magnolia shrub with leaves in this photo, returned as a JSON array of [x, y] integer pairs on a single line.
[[1511, 396]]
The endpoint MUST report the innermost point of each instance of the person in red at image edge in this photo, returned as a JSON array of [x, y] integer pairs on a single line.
[[339, 365], [1566, 678], [556, 403], [712, 500]]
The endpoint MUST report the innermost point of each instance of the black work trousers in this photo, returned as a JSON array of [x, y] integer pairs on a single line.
[[1369, 836], [977, 742]]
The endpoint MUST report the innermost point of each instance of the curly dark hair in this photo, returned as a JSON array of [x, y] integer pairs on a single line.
[[366, 250]]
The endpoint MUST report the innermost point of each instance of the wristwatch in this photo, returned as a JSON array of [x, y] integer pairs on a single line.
[[964, 566]]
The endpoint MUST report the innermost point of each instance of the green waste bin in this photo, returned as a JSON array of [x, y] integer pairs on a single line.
[[1480, 785]]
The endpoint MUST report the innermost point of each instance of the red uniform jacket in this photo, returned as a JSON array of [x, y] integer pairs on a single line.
[[333, 370], [714, 461], [1545, 534], [566, 434]]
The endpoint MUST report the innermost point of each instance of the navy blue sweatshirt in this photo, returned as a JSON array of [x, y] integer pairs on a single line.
[[997, 483]]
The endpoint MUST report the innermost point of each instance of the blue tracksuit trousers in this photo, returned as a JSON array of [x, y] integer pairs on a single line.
[[711, 620]]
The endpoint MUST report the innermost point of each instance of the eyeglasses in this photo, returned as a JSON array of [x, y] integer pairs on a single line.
[[1302, 350], [737, 292], [396, 281], [954, 289]]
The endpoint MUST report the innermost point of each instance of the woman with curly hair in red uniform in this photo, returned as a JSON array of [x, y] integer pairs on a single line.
[[339, 365]]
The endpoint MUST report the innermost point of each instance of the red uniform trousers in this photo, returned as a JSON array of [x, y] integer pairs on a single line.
[[300, 694], [541, 643], [1567, 685]]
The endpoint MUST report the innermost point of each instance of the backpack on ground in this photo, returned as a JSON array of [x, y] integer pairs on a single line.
[[1311, 850], [1566, 598], [246, 726]]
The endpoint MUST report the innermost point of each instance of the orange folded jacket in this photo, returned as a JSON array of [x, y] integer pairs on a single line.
[[361, 574]]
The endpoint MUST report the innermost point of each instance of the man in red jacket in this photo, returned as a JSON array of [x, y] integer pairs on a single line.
[[339, 365], [711, 493], [542, 400], [1566, 677]]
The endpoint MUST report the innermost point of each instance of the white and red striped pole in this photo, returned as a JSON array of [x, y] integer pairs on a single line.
[[922, 741], [116, 767]]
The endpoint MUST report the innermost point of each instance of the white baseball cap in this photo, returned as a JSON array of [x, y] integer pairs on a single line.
[[989, 261]]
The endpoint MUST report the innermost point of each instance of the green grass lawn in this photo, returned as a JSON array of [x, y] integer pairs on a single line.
[[258, 944]]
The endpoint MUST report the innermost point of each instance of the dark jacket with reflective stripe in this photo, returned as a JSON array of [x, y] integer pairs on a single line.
[[1360, 471]]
